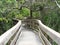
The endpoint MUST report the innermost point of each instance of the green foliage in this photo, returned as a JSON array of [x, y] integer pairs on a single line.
[[19, 16], [51, 19], [5, 24], [45, 10], [36, 15], [50, 16], [7, 13], [25, 12]]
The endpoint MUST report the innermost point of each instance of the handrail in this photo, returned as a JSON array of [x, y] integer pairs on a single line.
[[50, 32], [46, 41], [13, 42], [4, 38]]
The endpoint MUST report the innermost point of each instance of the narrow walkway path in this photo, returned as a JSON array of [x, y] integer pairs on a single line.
[[27, 37]]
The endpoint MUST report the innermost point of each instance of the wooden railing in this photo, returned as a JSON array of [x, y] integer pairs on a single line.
[[44, 32], [11, 35], [55, 36]]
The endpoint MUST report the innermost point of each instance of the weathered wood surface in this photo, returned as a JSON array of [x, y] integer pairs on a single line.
[[28, 37], [55, 36], [13, 42], [46, 42], [4, 38]]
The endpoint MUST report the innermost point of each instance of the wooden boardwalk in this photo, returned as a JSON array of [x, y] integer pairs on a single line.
[[28, 37], [21, 35]]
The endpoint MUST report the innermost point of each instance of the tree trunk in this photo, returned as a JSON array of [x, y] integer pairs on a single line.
[[31, 13]]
